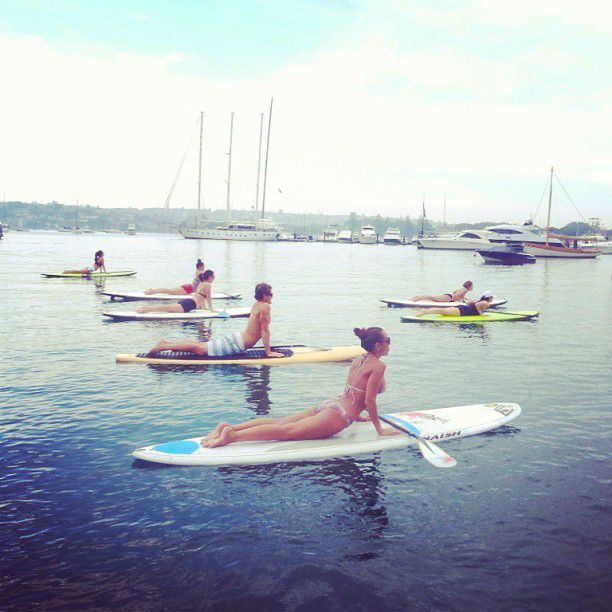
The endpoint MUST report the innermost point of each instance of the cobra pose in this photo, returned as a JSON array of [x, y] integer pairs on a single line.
[[456, 296], [183, 289], [98, 265], [258, 327], [200, 299], [364, 382], [475, 308]]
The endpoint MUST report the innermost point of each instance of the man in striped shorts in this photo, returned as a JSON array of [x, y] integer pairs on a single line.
[[258, 328]]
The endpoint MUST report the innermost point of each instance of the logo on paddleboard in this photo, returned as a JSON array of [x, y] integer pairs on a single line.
[[443, 436], [505, 409], [417, 417]]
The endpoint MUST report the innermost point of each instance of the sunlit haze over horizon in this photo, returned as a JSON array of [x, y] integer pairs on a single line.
[[378, 105]]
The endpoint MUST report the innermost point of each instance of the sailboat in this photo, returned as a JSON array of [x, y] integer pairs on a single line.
[[549, 250], [263, 230]]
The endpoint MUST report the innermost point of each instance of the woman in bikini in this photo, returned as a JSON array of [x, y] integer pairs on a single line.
[[364, 382], [463, 310], [98, 265], [183, 289], [455, 296]]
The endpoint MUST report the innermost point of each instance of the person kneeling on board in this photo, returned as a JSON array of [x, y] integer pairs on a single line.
[[183, 289], [200, 299], [98, 265], [455, 296], [366, 379], [470, 309], [258, 328]]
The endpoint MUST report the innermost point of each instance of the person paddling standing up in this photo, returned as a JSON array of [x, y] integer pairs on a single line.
[[258, 328], [202, 298], [456, 296]]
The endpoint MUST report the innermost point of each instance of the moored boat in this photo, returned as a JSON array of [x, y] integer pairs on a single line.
[[506, 254], [392, 236]]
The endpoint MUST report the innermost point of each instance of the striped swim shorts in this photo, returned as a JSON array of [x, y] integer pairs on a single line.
[[230, 344]]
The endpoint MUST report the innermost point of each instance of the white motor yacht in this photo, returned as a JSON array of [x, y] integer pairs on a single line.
[[367, 235], [345, 236], [468, 240], [392, 236], [528, 232]]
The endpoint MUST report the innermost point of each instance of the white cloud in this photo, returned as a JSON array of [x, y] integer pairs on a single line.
[[110, 130]]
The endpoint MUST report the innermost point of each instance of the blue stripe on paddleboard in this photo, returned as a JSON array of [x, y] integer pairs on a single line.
[[182, 447], [409, 426]]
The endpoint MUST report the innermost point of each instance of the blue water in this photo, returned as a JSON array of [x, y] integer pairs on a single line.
[[523, 521]]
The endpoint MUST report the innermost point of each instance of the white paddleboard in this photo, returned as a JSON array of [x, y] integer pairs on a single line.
[[163, 297], [428, 304], [194, 315], [360, 438]]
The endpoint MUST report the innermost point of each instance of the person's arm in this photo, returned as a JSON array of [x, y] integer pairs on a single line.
[[208, 296], [375, 381], [482, 306], [103, 266], [264, 322]]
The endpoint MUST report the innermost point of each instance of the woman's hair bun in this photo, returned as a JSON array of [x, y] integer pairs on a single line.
[[358, 331]]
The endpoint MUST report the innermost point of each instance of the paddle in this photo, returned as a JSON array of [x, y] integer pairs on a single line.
[[430, 451]]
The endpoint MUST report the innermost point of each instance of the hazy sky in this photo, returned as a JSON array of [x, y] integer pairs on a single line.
[[376, 104]]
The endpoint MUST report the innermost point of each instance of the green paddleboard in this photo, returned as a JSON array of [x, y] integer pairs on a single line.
[[92, 275], [518, 315]]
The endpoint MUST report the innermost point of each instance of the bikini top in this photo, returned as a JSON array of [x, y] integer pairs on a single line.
[[351, 390]]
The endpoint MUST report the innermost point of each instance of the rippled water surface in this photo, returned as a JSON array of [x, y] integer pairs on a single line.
[[523, 521]]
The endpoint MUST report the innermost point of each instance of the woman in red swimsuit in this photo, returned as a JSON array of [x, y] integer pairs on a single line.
[[183, 289], [366, 379]]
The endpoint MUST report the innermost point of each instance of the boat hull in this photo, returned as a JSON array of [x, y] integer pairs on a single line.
[[216, 234], [541, 250]]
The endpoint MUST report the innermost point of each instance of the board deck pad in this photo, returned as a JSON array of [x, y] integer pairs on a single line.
[[252, 353], [294, 354], [428, 304], [519, 315], [439, 424]]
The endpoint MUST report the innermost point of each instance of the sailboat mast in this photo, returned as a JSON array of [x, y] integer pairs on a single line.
[[76, 215], [200, 171], [444, 212], [229, 168], [549, 205], [263, 199], [261, 119]]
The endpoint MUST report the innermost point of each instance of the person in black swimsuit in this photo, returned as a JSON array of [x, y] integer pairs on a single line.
[[201, 298], [463, 310], [455, 296]]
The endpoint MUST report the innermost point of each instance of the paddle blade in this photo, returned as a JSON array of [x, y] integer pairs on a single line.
[[435, 455]]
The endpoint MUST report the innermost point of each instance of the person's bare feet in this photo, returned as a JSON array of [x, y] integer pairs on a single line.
[[224, 438], [420, 313], [159, 347], [149, 292], [215, 433]]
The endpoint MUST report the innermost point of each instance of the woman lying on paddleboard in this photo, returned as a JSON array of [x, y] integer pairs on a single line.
[[202, 298], [455, 296], [183, 289], [98, 265], [366, 379], [463, 310]]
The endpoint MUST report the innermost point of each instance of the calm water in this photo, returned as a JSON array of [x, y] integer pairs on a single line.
[[523, 521]]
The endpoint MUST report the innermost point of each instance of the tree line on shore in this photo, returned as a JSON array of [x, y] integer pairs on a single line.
[[56, 216]]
